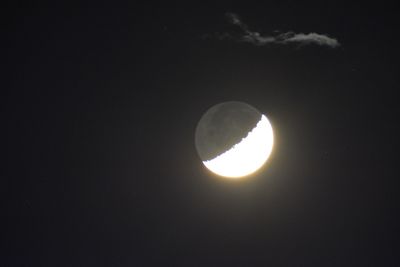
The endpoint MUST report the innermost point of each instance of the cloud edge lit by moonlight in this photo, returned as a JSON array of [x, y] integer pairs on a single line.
[[255, 38]]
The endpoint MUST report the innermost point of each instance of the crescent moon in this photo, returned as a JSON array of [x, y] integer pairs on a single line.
[[248, 155]]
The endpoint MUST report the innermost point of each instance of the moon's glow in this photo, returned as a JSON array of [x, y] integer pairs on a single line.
[[248, 155]]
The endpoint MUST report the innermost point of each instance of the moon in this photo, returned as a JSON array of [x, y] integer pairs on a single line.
[[233, 139]]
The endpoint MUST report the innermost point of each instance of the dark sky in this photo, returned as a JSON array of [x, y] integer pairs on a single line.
[[99, 109]]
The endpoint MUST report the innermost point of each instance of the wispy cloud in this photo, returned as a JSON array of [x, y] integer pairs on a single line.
[[234, 19], [309, 38], [253, 37]]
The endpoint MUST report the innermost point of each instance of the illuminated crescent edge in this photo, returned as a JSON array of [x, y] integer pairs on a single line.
[[248, 155]]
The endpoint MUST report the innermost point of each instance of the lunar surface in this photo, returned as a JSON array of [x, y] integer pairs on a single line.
[[233, 139]]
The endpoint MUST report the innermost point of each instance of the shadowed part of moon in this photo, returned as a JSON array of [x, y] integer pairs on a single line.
[[223, 126]]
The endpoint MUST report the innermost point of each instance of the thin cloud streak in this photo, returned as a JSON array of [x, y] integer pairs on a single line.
[[256, 38], [313, 37]]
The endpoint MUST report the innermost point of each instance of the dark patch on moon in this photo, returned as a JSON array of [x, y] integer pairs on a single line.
[[223, 126]]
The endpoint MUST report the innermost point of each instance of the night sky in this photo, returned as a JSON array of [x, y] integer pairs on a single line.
[[98, 113]]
